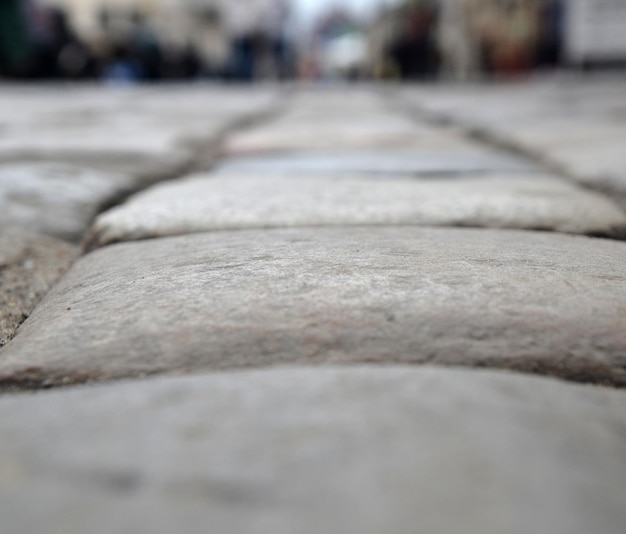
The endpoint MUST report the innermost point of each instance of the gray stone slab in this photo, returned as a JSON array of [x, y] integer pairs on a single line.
[[58, 200], [142, 150], [380, 161], [29, 265], [600, 165], [172, 106], [359, 451], [545, 135], [210, 203], [534, 302], [338, 132], [590, 150], [347, 101], [578, 126], [151, 133]]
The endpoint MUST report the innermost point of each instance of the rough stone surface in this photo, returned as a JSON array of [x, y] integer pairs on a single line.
[[133, 147], [590, 151], [534, 302], [29, 265], [150, 133], [578, 126], [58, 200], [601, 164], [330, 132], [209, 203], [358, 451], [380, 161]]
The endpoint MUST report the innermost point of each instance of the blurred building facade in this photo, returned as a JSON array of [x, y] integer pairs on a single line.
[[457, 38], [245, 40]]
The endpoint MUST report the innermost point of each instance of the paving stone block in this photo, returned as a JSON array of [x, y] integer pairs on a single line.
[[127, 146], [337, 132], [214, 202], [29, 265], [578, 126], [533, 302], [151, 133], [601, 166], [56, 199], [543, 135], [358, 451]]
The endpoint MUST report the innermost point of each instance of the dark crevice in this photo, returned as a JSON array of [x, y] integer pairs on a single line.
[[205, 152], [36, 379]]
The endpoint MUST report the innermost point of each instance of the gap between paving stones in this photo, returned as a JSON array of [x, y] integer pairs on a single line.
[[204, 154], [101, 235], [486, 136], [213, 202], [30, 264], [512, 300], [35, 378]]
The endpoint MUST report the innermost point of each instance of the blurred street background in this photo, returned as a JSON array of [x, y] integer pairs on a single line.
[[134, 41]]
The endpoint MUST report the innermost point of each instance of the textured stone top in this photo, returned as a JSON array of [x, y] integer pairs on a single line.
[[534, 302], [358, 451], [58, 200], [214, 202]]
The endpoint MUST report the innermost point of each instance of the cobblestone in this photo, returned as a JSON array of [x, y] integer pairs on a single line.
[[215, 202], [362, 451], [306, 282], [535, 302]]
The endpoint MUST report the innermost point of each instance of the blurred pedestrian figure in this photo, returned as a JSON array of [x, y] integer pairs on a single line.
[[191, 64], [508, 32], [275, 26], [59, 53], [243, 58], [550, 40], [414, 52], [459, 53], [15, 46], [145, 49], [73, 57], [122, 68], [211, 41], [41, 30]]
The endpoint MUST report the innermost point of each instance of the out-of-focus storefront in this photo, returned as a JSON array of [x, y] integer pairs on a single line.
[[470, 38]]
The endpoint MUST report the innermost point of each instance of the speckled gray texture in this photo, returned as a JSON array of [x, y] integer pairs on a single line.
[[111, 142], [149, 132], [341, 451], [209, 203], [29, 265], [535, 302]]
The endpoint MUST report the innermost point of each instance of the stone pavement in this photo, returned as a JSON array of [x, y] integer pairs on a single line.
[[576, 127], [350, 309]]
